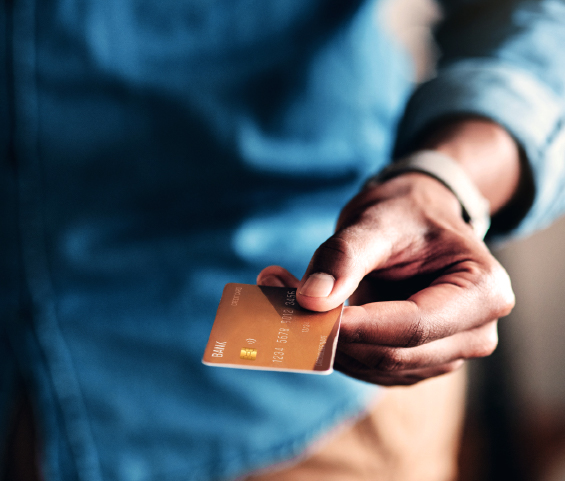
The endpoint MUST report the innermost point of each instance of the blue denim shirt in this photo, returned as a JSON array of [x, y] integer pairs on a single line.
[[153, 151]]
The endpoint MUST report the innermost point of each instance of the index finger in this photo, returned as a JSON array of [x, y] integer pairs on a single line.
[[454, 303]]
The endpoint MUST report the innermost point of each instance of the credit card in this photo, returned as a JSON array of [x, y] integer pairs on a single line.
[[258, 327]]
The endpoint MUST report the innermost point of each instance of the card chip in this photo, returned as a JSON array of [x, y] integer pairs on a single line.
[[248, 353]]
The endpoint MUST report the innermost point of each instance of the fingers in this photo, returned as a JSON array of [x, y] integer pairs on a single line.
[[474, 343], [431, 333], [465, 298], [353, 368], [276, 276]]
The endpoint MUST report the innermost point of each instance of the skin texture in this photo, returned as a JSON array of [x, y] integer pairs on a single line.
[[424, 291]]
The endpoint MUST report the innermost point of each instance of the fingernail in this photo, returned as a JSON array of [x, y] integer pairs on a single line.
[[318, 285], [272, 281]]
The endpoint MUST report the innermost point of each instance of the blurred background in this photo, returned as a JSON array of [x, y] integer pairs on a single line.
[[515, 424], [516, 407]]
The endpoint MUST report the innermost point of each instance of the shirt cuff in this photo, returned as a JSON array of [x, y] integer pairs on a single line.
[[526, 108]]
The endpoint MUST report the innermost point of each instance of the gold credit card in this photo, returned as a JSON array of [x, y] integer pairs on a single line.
[[265, 328]]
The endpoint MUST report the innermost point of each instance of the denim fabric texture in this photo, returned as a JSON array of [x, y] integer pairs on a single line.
[[151, 152]]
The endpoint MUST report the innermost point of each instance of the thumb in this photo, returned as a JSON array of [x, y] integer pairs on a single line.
[[339, 265]]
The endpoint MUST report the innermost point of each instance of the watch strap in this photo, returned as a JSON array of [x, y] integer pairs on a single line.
[[475, 207]]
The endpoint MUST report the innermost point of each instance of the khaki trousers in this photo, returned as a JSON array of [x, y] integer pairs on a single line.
[[411, 434]]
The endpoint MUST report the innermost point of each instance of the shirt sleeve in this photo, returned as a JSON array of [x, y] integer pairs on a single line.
[[504, 60]]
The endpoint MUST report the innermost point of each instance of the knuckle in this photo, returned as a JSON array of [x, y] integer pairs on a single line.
[[506, 299], [492, 341], [499, 287], [353, 335], [347, 248], [356, 326], [485, 349], [487, 344], [339, 246], [392, 361], [417, 333]]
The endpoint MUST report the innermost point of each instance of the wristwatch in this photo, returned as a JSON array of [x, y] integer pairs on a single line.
[[475, 208]]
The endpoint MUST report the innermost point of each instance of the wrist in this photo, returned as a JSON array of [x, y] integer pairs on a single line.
[[410, 195], [474, 208], [486, 152]]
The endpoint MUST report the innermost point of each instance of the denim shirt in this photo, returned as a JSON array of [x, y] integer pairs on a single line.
[[153, 151]]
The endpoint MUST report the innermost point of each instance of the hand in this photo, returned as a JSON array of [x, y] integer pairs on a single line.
[[425, 293]]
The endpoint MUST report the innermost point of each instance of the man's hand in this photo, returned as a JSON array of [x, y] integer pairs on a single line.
[[425, 293]]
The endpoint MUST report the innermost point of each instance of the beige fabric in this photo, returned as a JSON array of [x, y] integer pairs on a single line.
[[411, 434]]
